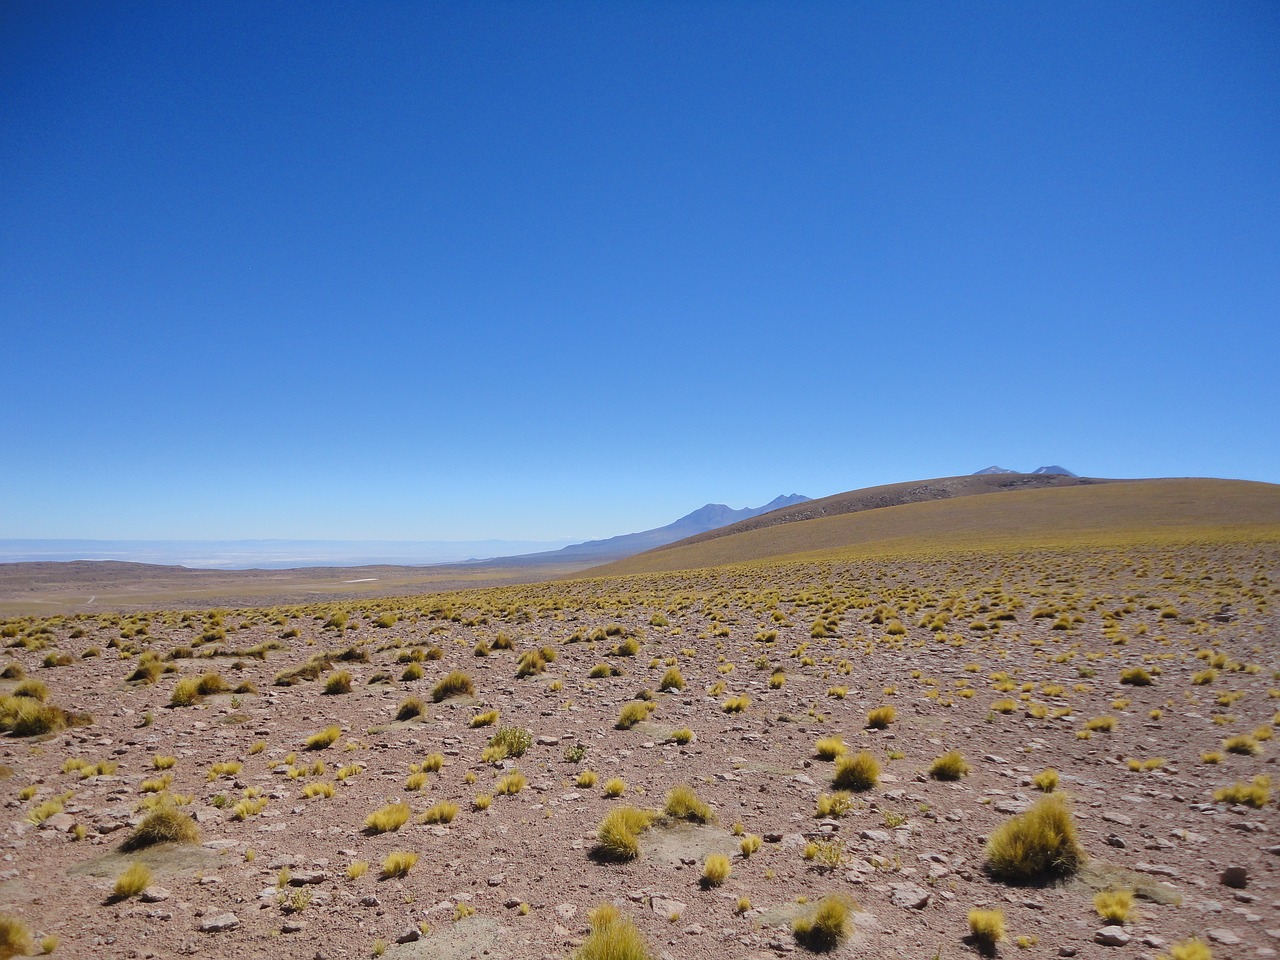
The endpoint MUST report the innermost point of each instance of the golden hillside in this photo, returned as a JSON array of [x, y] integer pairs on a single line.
[[1152, 511]]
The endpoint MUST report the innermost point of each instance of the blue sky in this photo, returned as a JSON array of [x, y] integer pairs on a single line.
[[541, 270]]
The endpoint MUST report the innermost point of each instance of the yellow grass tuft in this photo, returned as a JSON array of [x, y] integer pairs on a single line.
[[618, 833], [949, 766], [398, 864], [861, 771], [683, 804], [715, 870], [15, 937], [1114, 906], [325, 738], [132, 881], [881, 717], [829, 748], [826, 926], [986, 927], [612, 937], [387, 819], [165, 824], [1035, 845]]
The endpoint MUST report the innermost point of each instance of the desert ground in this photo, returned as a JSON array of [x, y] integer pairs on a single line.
[[1147, 677]]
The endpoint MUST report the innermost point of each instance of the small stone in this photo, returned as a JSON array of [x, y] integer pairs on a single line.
[[292, 926], [1066, 951], [909, 896], [566, 911], [411, 935], [1114, 841], [370, 901], [154, 895], [1236, 877], [1112, 936], [1224, 937], [223, 921], [304, 877]]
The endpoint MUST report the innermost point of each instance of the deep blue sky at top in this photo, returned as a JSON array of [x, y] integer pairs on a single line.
[[427, 270]]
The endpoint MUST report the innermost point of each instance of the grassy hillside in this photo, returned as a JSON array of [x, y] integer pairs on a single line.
[[1141, 511]]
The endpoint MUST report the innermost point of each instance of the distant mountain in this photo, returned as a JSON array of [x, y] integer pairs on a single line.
[[1055, 471], [712, 516]]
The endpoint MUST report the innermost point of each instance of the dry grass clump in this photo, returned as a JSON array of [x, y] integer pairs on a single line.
[[338, 682], [1046, 781], [1100, 724], [325, 738], [1036, 845], [986, 929], [826, 926], [442, 812], [411, 707], [486, 719], [829, 748], [510, 784], [736, 704], [190, 690], [672, 680], [1242, 744], [632, 713], [612, 937], [398, 864], [1256, 794], [15, 938], [615, 787], [132, 881], [881, 717], [586, 779], [949, 766], [453, 684], [1193, 949], [834, 805], [28, 717], [1114, 906], [683, 804], [861, 771], [715, 870], [619, 833], [387, 819], [1136, 677], [164, 824]]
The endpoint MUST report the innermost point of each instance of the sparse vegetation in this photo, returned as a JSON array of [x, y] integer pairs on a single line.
[[856, 772], [1036, 845], [826, 926]]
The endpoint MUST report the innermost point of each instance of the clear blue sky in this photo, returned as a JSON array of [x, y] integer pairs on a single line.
[[532, 270]]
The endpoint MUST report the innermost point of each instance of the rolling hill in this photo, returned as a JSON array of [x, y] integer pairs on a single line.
[[1039, 513]]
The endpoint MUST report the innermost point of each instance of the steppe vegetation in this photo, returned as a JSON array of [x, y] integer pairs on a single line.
[[988, 750]]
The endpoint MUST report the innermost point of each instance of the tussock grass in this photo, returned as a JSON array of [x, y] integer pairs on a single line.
[[398, 864], [736, 704], [826, 926], [1136, 676], [164, 824], [949, 766], [1243, 744], [715, 870], [1114, 906], [488, 718], [510, 784], [672, 680], [829, 748], [612, 937], [324, 738], [453, 684], [1036, 845], [15, 938], [615, 787], [619, 833], [881, 717], [986, 929], [1046, 781], [338, 682], [387, 819], [507, 742], [132, 881], [856, 772], [442, 812], [632, 713], [1193, 949], [683, 804], [411, 707], [1255, 794]]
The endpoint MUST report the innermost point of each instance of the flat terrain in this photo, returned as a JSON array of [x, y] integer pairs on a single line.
[[1012, 655], [90, 585]]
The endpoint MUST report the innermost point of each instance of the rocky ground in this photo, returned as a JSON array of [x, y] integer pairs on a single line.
[[943, 641]]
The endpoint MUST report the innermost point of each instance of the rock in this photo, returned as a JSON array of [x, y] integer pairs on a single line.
[[292, 926], [223, 921], [1237, 877], [304, 877], [154, 895], [370, 901], [547, 741], [1119, 818], [1114, 841], [411, 935], [1155, 869], [875, 836], [663, 907], [1066, 951], [1112, 936], [909, 896], [1223, 936], [566, 911], [497, 880]]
